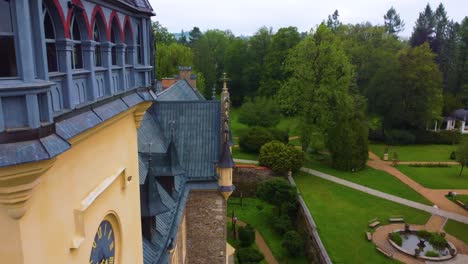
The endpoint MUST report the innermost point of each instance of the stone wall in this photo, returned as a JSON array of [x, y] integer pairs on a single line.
[[246, 179], [206, 227]]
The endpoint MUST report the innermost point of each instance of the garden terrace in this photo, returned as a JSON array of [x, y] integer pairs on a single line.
[[437, 178]]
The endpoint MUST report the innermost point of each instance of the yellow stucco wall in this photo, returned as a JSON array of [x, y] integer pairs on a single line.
[[46, 231]]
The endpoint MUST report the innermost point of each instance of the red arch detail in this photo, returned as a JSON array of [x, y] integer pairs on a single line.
[[70, 14], [109, 26], [97, 11], [129, 24], [62, 16]]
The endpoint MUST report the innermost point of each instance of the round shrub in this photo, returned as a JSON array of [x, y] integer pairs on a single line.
[[281, 158], [249, 255], [246, 235], [438, 240], [432, 254], [254, 138], [276, 192], [293, 243], [259, 112]]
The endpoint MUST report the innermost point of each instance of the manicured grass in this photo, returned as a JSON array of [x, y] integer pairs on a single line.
[[259, 219], [235, 126], [342, 216], [371, 178], [457, 229], [416, 152], [290, 124], [437, 178]]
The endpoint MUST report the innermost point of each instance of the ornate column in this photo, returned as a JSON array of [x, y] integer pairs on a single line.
[[120, 49], [106, 49], [88, 47], [64, 53]]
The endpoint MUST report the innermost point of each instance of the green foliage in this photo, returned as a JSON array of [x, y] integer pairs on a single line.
[[393, 23], [279, 135], [445, 137], [293, 243], [169, 56], [399, 137], [396, 237], [438, 240], [276, 192], [162, 35], [462, 153], [260, 111], [281, 158], [246, 235], [453, 156], [423, 234], [431, 253], [282, 224], [429, 165], [249, 255], [254, 138]]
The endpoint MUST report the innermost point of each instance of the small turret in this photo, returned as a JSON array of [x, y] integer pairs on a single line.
[[226, 163]]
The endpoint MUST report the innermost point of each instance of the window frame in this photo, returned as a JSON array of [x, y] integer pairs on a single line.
[[77, 48], [46, 12], [139, 44], [13, 34], [97, 43]]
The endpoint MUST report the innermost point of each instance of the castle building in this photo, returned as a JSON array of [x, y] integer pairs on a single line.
[[85, 175]]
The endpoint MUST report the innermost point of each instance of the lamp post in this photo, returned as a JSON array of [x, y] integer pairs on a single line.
[[234, 221]]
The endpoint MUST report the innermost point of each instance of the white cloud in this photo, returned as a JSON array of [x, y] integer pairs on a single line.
[[246, 16]]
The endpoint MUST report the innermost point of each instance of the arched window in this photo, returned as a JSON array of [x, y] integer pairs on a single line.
[[98, 37], [115, 33], [8, 66], [50, 37], [129, 43], [139, 46], [77, 54]]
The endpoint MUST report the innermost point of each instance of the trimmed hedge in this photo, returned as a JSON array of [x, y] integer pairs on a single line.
[[249, 255], [246, 235], [406, 137], [281, 158], [260, 111], [432, 254]]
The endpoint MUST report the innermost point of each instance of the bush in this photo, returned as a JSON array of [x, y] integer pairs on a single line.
[[429, 165], [347, 143], [246, 236], [399, 137], [437, 240], [293, 243], [281, 158], [424, 234], [254, 138], [396, 237], [249, 255], [259, 112], [280, 135], [276, 192], [260, 207], [441, 137], [282, 224], [453, 156], [290, 209], [432, 254]]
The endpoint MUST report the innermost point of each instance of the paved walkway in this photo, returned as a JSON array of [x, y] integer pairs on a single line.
[[436, 223], [244, 161], [436, 196], [261, 244], [393, 198]]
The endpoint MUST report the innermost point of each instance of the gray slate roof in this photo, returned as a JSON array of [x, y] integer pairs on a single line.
[[180, 91], [68, 127], [460, 114]]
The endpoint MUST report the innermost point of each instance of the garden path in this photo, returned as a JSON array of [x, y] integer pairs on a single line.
[[261, 244], [435, 196]]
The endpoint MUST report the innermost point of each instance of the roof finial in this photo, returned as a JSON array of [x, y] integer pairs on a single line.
[[225, 79], [213, 96], [172, 127]]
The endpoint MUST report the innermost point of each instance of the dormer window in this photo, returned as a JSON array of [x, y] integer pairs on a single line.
[[50, 37], [77, 54], [8, 66]]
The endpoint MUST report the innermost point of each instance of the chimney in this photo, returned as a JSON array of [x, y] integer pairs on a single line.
[[167, 82], [185, 72]]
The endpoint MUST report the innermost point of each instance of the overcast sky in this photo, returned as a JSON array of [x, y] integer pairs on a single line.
[[244, 17]]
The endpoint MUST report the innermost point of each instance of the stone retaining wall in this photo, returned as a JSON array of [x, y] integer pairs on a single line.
[[247, 178]]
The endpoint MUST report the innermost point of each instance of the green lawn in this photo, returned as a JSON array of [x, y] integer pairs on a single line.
[[416, 152], [238, 154], [342, 216], [371, 178], [259, 219], [437, 178], [457, 229]]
